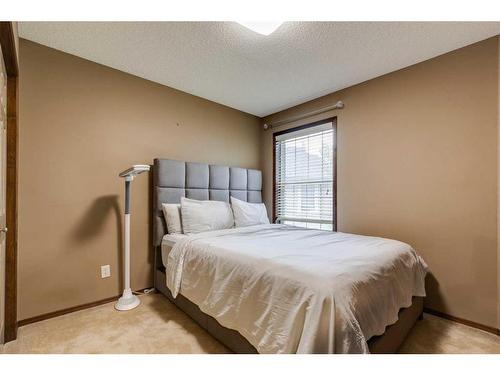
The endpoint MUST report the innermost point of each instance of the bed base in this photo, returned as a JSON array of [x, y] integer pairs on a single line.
[[387, 343]]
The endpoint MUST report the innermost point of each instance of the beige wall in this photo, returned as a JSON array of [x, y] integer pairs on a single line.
[[417, 161], [82, 123]]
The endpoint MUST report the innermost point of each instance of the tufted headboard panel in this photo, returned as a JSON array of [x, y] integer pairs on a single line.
[[173, 179]]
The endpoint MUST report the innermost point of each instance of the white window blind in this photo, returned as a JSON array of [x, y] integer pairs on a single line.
[[305, 177]]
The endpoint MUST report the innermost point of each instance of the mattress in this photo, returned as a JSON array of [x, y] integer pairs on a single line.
[[168, 241]]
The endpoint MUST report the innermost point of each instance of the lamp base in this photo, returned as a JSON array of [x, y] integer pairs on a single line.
[[127, 301]]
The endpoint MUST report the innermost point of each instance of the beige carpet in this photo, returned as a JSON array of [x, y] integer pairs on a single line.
[[157, 326]]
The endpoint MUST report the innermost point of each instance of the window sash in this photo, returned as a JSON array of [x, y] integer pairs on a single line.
[[304, 177]]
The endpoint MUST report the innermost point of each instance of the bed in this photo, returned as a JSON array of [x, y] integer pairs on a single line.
[[257, 290]]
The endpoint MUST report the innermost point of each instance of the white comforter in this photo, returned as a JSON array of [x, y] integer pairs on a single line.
[[294, 290]]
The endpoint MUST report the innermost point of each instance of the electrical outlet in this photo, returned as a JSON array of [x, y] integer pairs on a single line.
[[105, 271]]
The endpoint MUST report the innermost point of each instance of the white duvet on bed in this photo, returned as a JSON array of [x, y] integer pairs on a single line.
[[167, 243], [294, 290]]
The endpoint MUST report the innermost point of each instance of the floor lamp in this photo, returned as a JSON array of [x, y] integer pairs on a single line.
[[128, 301]]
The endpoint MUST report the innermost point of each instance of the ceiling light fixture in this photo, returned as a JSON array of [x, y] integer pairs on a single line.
[[264, 28]]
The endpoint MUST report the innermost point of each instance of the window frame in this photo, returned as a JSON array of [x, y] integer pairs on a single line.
[[333, 120]]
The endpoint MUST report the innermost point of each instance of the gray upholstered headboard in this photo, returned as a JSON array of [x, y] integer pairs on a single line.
[[173, 179]]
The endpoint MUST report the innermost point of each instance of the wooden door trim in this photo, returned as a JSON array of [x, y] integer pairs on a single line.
[[7, 41]]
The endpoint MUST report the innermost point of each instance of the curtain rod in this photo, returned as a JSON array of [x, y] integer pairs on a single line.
[[338, 105]]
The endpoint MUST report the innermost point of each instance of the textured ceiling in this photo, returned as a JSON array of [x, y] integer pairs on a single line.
[[229, 64]]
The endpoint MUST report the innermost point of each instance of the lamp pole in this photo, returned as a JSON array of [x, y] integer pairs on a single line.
[[128, 300]]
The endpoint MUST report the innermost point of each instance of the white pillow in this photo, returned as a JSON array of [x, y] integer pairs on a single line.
[[246, 214], [201, 216], [172, 214]]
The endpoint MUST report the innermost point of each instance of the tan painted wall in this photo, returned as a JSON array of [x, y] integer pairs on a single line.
[[417, 161], [82, 123]]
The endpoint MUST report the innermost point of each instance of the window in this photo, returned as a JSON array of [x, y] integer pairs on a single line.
[[305, 172]]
